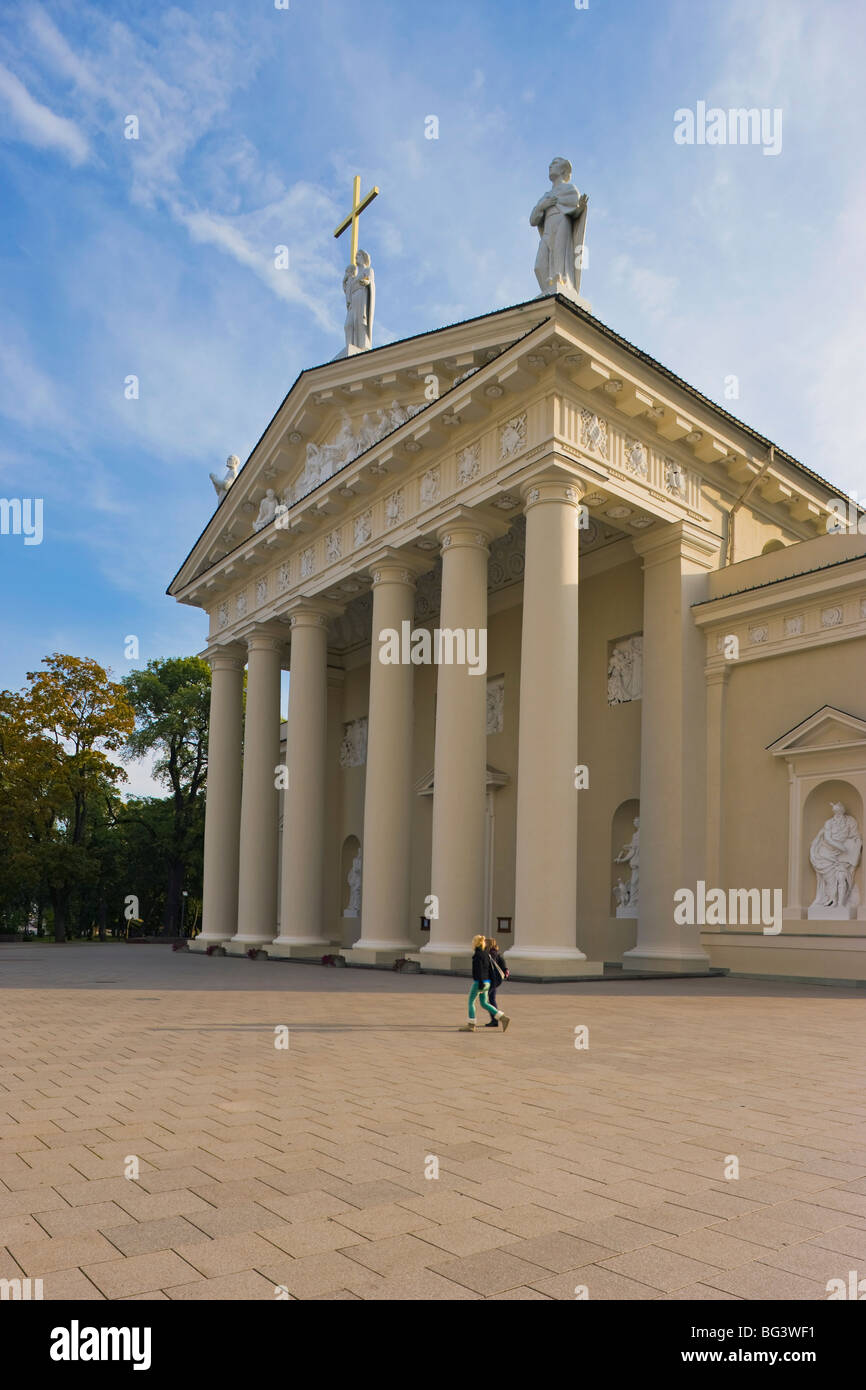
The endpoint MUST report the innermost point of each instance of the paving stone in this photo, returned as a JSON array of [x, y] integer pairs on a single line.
[[761, 1282], [314, 1274], [659, 1267], [421, 1285], [447, 1207], [300, 1238], [139, 1274], [70, 1284], [768, 1231], [713, 1247], [810, 1260], [41, 1257], [601, 1284], [847, 1240], [246, 1286], [230, 1221], [387, 1220], [558, 1252], [465, 1237], [148, 1237], [694, 1293], [490, 1272], [393, 1254], [227, 1254]]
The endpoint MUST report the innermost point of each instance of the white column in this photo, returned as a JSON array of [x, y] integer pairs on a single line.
[[388, 792], [302, 925], [673, 776], [257, 879], [460, 763], [545, 908], [222, 820]]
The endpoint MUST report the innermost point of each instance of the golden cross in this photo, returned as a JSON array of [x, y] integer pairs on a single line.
[[357, 208]]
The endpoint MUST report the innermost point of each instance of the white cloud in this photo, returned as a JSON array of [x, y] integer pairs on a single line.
[[37, 124], [28, 395]]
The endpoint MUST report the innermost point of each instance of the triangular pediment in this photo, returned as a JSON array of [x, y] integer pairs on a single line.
[[337, 412], [827, 728], [339, 438]]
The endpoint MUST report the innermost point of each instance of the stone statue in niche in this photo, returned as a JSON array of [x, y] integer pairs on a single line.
[[353, 750], [627, 894], [222, 485], [354, 882], [625, 671], [267, 510], [834, 855], [495, 705]]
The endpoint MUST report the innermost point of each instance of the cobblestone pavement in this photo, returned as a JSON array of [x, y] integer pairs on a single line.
[[302, 1172]]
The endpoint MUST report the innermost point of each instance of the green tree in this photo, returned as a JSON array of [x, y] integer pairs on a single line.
[[58, 733], [171, 699]]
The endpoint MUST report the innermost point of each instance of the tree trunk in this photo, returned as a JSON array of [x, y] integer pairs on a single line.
[[58, 902], [102, 916], [171, 922]]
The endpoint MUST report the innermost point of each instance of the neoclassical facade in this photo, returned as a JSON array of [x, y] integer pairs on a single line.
[[567, 644]]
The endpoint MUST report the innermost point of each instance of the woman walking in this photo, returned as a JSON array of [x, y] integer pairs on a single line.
[[481, 970], [498, 974]]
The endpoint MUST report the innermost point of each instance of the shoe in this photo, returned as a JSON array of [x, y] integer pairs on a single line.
[[504, 1020], [467, 1028], [494, 1023]]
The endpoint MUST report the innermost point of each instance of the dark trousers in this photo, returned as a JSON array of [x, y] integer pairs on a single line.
[[491, 993]]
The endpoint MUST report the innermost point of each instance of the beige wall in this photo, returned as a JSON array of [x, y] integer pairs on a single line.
[[764, 700], [349, 818], [611, 606]]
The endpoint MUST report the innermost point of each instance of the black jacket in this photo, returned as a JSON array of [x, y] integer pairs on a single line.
[[481, 967], [494, 975]]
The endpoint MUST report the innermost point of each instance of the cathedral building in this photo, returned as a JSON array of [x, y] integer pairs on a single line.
[[577, 660]]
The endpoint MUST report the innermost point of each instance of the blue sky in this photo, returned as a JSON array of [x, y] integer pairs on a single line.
[[154, 256]]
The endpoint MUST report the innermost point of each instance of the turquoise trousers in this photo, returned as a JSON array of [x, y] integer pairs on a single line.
[[479, 991]]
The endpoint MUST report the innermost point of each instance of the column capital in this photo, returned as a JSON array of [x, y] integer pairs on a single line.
[[264, 640], [392, 566], [231, 657], [464, 526], [718, 674], [679, 538], [312, 612], [552, 486]]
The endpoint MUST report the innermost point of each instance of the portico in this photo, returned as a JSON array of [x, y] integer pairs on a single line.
[[570, 500]]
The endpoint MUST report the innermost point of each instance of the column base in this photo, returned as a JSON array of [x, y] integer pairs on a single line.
[[668, 960], [239, 945], [377, 952], [300, 948], [200, 943], [541, 964], [444, 956]]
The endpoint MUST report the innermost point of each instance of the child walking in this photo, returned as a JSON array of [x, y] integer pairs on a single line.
[[498, 975], [481, 971]]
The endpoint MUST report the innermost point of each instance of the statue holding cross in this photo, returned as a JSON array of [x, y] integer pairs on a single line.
[[359, 284]]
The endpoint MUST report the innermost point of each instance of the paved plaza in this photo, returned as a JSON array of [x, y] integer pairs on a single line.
[[305, 1172]]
